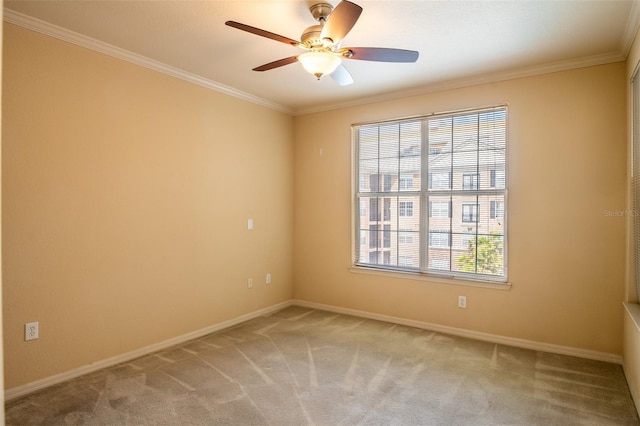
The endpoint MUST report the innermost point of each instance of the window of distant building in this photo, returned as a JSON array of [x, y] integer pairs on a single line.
[[435, 188], [406, 182], [496, 209], [469, 213], [470, 181], [406, 208], [439, 239], [441, 209], [496, 178]]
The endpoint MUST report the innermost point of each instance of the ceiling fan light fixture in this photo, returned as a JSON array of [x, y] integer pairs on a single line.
[[319, 63]]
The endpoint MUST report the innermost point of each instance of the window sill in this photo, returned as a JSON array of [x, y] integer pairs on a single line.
[[430, 278], [633, 309]]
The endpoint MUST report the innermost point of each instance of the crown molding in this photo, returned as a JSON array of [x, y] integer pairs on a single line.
[[496, 77], [63, 34], [631, 29], [25, 21]]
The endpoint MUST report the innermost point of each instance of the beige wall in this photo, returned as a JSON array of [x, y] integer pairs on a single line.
[[567, 166], [125, 196]]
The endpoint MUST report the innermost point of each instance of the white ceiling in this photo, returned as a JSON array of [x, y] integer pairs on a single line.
[[460, 42]]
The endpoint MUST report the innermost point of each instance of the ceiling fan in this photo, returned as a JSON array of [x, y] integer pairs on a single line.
[[324, 54]]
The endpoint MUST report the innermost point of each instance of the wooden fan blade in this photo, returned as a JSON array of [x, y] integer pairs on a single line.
[[380, 54], [276, 64], [340, 21], [263, 33], [342, 76]]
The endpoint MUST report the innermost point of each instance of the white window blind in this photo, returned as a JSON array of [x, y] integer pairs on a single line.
[[635, 180], [455, 208]]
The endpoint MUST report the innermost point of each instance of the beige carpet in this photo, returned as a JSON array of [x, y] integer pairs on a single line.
[[301, 366]]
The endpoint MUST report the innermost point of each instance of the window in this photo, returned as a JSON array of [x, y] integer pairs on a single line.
[[440, 264], [406, 182], [439, 239], [467, 240], [440, 209], [387, 182], [497, 178], [470, 181], [439, 180], [406, 208], [374, 216], [387, 209], [497, 209], [386, 236], [405, 261], [442, 179], [373, 236], [373, 182], [405, 237], [469, 212]]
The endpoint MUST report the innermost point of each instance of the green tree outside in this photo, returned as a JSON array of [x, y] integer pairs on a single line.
[[489, 256]]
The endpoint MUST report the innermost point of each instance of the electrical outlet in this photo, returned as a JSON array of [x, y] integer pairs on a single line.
[[250, 283], [462, 302], [268, 279], [31, 331]]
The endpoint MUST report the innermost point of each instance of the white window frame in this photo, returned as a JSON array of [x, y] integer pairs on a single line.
[[437, 183]]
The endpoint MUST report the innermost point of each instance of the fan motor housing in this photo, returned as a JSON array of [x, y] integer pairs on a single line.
[[311, 37]]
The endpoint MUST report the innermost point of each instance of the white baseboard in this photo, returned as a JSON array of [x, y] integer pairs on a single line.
[[128, 356], [25, 389], [493, 338]]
